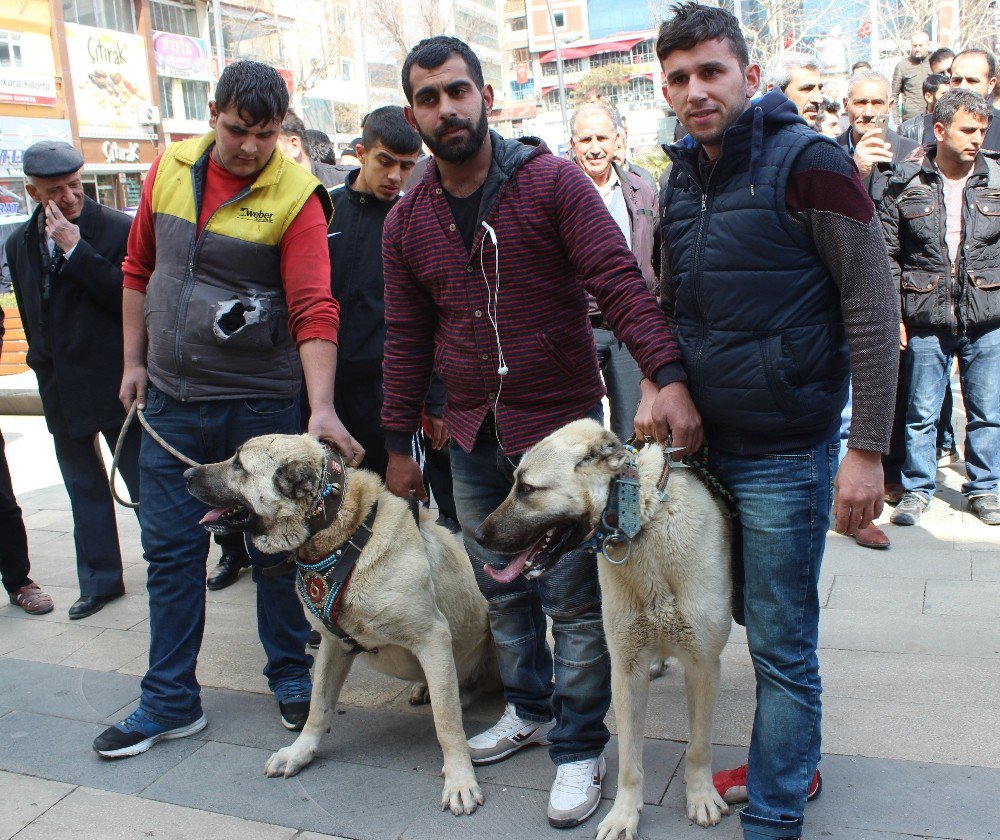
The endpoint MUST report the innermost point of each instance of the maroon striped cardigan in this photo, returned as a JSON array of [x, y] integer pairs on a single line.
[[555, 239]]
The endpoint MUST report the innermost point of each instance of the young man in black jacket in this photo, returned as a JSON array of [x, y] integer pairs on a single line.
[[388, 152], [942, 229]]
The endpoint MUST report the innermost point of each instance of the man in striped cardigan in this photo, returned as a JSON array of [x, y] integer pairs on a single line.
[[487, 264]]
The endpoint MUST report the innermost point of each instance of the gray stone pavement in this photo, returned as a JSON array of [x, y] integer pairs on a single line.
[[910, 650]]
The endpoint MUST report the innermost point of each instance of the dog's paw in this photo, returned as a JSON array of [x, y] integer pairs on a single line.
[[621, 823], [461, 797], [706, 807], [420, 694], [287, 762]]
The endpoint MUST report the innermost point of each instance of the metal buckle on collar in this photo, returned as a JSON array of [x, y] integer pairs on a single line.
[[322, 512]]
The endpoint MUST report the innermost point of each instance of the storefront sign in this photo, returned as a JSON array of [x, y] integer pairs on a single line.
[[181, 57], [110, 82], [17, 133], [116, 155], [34, 82]]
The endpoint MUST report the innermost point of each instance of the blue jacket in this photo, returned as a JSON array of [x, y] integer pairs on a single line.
[[757, 314]]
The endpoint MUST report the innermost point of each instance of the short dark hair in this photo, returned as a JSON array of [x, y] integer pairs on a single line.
[[387, 125], [933, 82], [320, 147], [433, 52], [955, 100], [256, 91], [830, 106], [860, 65], [693, 23], [940, 54], [991, 61], [292, 126]]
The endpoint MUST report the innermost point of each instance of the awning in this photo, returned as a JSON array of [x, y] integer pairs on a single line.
[[587, 50], [547, 90]]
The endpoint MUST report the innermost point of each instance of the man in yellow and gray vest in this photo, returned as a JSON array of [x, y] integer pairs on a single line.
[[227, 306]]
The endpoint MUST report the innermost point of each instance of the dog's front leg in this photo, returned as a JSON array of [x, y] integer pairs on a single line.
[[701, 682], [630, 695], [461, 793], [332, 666]]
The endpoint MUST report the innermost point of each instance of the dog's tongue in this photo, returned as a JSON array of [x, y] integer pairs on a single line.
[[215, 513], [511, 570]]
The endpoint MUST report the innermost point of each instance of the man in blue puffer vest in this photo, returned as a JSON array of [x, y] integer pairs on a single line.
[[775, 273]]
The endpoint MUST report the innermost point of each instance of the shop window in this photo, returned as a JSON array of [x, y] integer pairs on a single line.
[[105, 14], [179, 18], [644, 52], [10, 49]]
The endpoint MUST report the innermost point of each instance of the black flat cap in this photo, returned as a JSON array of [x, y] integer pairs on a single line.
[[50, 159]]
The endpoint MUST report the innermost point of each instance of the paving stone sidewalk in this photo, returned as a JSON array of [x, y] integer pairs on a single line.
[[910, 650]]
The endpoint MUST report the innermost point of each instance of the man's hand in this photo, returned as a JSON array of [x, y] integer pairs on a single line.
[[871, 150], [669, 415], [135, 381], [325, 425], [904, 337], [438, 431], [403, 477], [62, 231], [858, 491]]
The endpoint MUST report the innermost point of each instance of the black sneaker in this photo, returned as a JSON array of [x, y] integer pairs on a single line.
[[137, 733], [293, 703], [908, 510], [985, 508]]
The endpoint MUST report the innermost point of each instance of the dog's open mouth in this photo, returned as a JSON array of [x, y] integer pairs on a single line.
[[538, 559], [223, 520]]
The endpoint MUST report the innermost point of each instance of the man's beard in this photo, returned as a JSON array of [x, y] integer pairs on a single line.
[[463, 151]]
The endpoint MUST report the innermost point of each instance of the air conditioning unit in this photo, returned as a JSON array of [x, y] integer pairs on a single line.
[[148, 115]]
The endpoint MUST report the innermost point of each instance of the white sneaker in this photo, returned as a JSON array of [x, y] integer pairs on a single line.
[[506, 737], [576, 792]]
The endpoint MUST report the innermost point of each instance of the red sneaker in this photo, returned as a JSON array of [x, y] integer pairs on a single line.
[[732, 785]]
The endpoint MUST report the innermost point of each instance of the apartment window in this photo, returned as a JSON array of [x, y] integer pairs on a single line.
[[345, 71], [520, 55], [341, 20], [179, 18], [643, 52], [10, 49], [560, 19], [183, 99], [105, 14], [519, 24], [572, 65]]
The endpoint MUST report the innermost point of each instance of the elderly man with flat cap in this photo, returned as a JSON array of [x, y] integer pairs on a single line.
[[65, 264]]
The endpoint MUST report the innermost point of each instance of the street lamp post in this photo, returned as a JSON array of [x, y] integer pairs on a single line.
[[559, 68]]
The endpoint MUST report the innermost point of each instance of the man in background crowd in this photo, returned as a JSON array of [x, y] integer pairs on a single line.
[[908, 77], [940, 61], [943, 248], [66, 266], [632, 204], [976, 70], [294, 144], [797, 75], [921, 127]]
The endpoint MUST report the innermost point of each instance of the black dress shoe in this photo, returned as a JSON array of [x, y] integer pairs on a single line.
[[89, 604], [228, 571]]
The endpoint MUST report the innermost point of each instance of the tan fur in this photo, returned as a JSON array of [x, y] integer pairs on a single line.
[[672, 597], [412, 601]]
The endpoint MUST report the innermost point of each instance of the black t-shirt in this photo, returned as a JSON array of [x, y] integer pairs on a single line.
[[466, 213]]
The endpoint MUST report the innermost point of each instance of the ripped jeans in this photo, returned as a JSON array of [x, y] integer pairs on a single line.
[[569, 594]]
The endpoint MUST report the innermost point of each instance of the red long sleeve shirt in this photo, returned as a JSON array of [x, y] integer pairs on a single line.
[[305, 260]]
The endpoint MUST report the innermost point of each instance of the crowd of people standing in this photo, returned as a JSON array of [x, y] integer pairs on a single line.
[[779, 273]]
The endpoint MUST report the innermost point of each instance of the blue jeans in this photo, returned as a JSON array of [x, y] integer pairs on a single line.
[[785, 501], [568, 594], [928, 359], [176, 548]]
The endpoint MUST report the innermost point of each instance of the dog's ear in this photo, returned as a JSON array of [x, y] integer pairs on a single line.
[[296, 479], [605, 449]]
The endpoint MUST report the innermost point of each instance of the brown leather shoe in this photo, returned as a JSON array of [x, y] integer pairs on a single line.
[[872, 537], [893, 493], [32, 599]]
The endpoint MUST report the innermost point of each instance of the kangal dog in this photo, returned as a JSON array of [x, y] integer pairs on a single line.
[[412, 603], [670, 598]]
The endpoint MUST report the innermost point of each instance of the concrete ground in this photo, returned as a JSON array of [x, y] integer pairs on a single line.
[[910, 651]]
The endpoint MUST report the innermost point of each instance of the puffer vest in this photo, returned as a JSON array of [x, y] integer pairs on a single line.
[[215, 308], [758, 316]]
